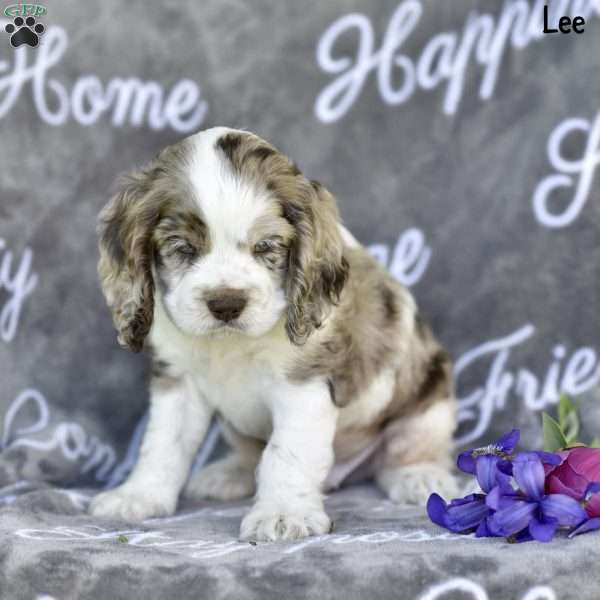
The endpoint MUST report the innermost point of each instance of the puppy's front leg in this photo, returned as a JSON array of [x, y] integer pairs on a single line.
[[294, 465], [177, 424]]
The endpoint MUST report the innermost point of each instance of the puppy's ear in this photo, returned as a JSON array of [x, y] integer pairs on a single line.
[[125, 228], [317, 269]]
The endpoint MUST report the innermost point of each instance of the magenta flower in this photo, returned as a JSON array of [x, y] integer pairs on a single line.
[[579, 467], [578, 476]]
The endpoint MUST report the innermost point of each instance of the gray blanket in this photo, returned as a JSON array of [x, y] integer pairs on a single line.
[[51, 548]]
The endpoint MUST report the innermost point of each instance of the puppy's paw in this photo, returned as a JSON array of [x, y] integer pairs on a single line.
[[267, 523], [225, 479], [413, 484], [132, 504]]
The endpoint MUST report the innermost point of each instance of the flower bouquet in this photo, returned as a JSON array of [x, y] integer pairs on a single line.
[[528, 495]]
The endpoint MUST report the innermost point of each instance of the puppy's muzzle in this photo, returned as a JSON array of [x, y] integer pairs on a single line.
[[226, 304]]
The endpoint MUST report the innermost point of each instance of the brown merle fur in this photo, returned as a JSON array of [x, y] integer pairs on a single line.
[[316, 267], [126, 229], [373, 327]]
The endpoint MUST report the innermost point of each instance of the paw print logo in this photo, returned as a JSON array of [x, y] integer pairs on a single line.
[[24, 31]]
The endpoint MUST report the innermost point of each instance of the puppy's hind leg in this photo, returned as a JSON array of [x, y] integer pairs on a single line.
[[231, 477], [415, 460]]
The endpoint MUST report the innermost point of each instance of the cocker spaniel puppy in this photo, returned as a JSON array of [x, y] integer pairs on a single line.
[[231, 266]]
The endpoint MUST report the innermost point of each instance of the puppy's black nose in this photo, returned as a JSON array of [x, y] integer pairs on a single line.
[[226, 305]]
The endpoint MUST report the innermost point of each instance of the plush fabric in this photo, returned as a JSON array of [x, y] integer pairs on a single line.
[[377, 550]]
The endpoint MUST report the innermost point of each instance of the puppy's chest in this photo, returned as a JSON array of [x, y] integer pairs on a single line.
[[241, 385]]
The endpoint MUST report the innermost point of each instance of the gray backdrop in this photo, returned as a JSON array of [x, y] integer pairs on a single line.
[[460, 141]]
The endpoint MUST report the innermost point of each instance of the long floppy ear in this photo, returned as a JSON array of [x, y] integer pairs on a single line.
[[317, 269], [125, 228]]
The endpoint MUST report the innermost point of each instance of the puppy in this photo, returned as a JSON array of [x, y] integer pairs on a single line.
[[257, 306]]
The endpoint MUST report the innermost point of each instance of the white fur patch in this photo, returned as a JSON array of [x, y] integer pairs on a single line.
[[228, 207]]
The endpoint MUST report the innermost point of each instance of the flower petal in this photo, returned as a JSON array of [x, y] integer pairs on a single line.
[[462, 514], [512, 519], [465, 462], [466, 516], [493, 498], [566, 510], [485, 467], [549, 458], [592, 500], [466, 499], [497, 500], [506, 483], [564, 480], [592, 488], [505, 466], [585, 462], [542, 531], [508, 441], [523, 536], [588, 525], [529, 474], [483, 530], [592, 506], [436, 509], [562, 456]]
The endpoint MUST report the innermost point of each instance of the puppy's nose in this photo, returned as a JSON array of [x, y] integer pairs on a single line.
[[226, 305]]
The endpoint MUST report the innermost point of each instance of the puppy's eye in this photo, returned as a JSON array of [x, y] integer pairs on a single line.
[[184, 248], [264, 246]]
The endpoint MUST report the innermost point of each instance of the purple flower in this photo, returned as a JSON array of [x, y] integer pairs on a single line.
[[500, 449], [514, 503], [492, 468], [462, 515], [526, 513]]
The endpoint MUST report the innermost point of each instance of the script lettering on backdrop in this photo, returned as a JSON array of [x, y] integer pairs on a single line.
[[573, 175], [444, 60], [128, 101], [572, 374], [29, 415], [18, 281], [409, 259]]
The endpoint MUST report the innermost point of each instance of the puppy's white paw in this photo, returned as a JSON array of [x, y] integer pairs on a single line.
[[413, 484], [266, 523], [132, 504], [225, 479]]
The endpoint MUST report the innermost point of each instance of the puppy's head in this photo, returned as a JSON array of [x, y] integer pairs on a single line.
[[230, 237]]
